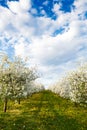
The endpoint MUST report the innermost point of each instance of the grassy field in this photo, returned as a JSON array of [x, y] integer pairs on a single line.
[[43, 111]]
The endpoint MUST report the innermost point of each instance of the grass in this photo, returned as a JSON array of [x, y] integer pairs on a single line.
[[43, 111]]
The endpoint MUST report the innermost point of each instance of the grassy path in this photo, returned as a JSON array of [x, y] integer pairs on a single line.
[[44, 111]]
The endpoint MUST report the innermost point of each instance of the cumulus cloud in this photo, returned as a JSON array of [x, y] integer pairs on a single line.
[[19, 6], [56, 8], [46, 3], [34, 36]]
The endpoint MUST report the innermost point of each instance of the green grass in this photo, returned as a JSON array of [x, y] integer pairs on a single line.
[[43, 111]]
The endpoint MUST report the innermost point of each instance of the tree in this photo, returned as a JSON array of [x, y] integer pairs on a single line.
[[78, 85], [5, 81], [73, 85], [13, 78], [34, 87]]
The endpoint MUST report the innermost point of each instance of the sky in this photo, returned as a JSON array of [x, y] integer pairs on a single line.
[[51, 33]]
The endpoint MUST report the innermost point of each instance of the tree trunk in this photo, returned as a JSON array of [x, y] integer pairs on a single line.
[[19, 101], [5, 104], [76, 104]]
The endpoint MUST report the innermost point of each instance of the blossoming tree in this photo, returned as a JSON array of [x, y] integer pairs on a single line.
[[14, 75]]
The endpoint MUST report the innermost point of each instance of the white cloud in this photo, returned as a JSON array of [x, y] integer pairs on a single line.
[[19, 6], [33, 11], [43, 12], [5, 17], [20, 49], [14, 7], [25, 4], [56, 8], [45, 2], [33, 36]]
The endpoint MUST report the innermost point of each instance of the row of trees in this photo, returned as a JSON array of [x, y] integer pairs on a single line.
[[73, 86], [34, 87], [15, 79]]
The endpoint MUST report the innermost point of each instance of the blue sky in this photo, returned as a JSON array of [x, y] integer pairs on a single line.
[[52, 33]]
